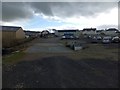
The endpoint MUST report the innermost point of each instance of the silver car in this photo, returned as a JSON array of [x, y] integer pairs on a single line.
[[116, 39], [106, 39]]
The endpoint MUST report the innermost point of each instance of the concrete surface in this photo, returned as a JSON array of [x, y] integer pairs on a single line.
[[48, 48]]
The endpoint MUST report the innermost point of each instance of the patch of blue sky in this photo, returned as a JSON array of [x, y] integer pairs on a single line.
[[39, 22]]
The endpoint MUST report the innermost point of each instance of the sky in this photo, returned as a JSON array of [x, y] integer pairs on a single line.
[[38, 16]]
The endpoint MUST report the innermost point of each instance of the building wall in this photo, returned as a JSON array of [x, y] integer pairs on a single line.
[[0, 40], [56, 33], [89, 32], [0, 34], [99, 33], [111, 33], [8, 38], [77, 33], [20, 34]]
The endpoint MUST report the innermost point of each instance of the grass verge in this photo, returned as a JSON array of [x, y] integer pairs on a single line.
[[13, 58]]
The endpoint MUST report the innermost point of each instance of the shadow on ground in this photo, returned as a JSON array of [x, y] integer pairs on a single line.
[[61, 72]]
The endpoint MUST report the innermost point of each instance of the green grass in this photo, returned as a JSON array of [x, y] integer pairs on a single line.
[[96, 51], [13, 58]]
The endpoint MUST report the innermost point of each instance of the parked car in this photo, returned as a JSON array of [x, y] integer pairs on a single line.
[[90, 36], [94, 39], [69, 37], [66, 37], [106, 39], [75, 37], [116, 39], [98, 37], [63, 37]]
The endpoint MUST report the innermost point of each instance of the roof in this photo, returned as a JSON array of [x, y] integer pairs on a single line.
[[89, 29], [99, 30], [44, 31], [112, 29], [10, 28], [31, 31], [67, 30]]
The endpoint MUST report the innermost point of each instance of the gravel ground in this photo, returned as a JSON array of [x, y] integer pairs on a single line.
[[61, 72]]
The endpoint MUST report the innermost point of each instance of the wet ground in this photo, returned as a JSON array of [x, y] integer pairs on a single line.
[[59, 71]]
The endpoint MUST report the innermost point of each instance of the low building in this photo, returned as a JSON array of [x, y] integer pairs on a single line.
[[111, 32], [89, 31], [99, 31], [32, 33], [11, 34], [70, 32], [45, 33]]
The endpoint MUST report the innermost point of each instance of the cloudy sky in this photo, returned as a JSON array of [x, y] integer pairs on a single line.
[[60, 15]]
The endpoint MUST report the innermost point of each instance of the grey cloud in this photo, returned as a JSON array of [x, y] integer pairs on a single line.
[[42, 7], [68, 9], [12, 11]]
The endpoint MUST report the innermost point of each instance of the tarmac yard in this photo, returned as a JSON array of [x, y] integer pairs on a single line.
[[47, 63], [48, 48]]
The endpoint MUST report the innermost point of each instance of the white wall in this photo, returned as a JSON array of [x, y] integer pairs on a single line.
[[89, 32], [77, 33], [111, 33]]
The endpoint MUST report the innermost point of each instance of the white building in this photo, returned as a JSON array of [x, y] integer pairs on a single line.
[[68, 32], [99, 32], [112, 32], [89, 31]]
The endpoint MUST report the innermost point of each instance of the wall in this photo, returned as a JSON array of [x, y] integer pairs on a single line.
[[56, 33], [89, 32], [77, 33], [20, 34], [0, 40], [111, 33], [8, 38]]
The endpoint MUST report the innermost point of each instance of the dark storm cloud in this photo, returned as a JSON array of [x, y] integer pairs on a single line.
[[13, 11], [42, 7], [69, 9]]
